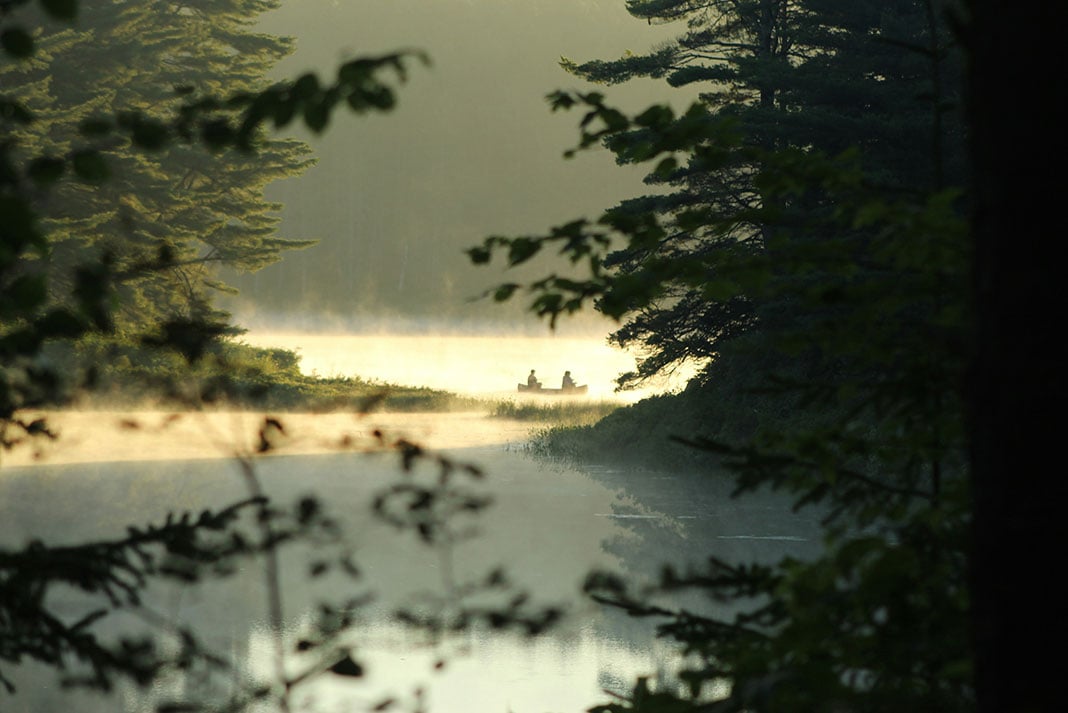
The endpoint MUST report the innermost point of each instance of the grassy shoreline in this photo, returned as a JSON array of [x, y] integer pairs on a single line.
[[310, 394], [112, 373]]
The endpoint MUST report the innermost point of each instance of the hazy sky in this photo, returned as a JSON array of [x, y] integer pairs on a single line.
[[471, 150]]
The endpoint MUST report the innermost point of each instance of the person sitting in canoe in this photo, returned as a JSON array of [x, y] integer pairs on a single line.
[[532, 381], [568, 382]]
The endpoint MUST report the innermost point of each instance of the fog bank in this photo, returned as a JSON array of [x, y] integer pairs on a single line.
[[471, 150]]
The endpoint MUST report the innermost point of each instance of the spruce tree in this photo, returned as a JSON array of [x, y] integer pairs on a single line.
[[46, 177], [878, 81], [184, 208], [811, 245]]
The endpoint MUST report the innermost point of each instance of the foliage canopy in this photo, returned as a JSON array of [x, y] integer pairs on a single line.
[[807, 244], [105, 221], [810, 229]]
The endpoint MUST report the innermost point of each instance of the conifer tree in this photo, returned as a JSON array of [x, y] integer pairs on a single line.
[[811, 240], [50, 176], [182, 207], [880, 81]]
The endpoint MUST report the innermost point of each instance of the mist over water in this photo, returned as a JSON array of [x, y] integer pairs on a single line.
[[474, 365], [548, 526], [471, 150]]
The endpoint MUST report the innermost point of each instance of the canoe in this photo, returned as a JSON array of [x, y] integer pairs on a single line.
[[570, 391]]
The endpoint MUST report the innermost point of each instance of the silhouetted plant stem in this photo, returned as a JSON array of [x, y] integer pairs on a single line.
[[272, 580]]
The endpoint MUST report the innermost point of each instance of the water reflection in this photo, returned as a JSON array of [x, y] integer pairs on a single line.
[[487, 672], [550, 524]]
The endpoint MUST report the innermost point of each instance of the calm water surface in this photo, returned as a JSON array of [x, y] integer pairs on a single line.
[[477, 365], [549, 525]]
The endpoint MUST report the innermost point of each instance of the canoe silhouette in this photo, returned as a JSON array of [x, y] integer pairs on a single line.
[[569, 391]]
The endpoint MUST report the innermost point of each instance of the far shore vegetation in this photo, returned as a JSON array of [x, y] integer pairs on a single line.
[[567, 414], [233, 374], [237, 375]]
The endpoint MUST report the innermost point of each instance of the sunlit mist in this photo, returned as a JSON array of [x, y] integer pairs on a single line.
[[485, 366]]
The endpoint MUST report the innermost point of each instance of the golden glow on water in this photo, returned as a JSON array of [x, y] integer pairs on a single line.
[[487, 366], [548, 525], [106, 436]]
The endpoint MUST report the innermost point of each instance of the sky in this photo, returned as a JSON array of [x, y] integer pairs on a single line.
[[472, 150]]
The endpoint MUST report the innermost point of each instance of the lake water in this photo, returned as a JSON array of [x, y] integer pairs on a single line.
[[488, 366], [549, 525]]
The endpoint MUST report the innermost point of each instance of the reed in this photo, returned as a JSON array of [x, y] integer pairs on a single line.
[[572, 413]]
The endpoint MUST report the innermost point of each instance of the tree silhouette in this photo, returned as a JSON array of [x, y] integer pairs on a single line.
[[75, 263], [815, 249], [176, 203]]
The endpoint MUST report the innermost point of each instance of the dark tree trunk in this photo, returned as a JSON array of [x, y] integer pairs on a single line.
[[1017, 91]]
